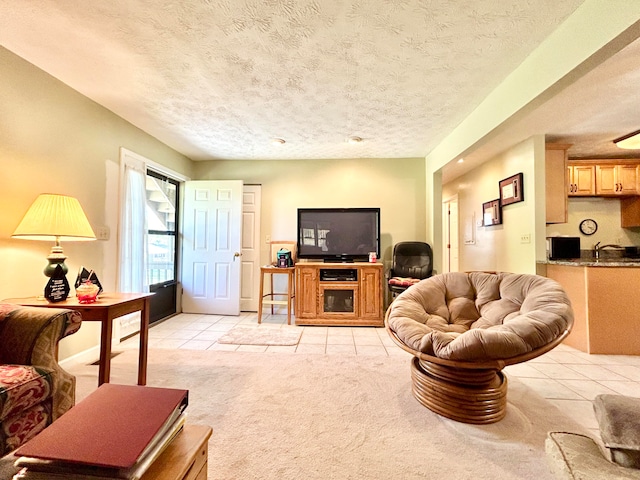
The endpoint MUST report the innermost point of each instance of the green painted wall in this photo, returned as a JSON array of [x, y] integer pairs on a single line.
[[55, 140]]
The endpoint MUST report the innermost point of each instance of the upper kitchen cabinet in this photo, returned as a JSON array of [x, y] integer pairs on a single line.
[[582, 180], [630, 212], [556, 179], [617, 179]]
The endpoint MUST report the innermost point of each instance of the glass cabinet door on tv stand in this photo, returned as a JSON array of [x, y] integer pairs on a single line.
[[338, 300]]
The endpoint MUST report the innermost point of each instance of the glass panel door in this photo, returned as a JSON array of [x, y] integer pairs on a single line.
[[162, 237]]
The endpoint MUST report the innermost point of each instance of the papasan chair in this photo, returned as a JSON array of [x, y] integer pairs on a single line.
[[464, 328]]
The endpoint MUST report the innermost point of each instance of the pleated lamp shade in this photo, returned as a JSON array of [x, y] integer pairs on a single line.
[[55, 217]]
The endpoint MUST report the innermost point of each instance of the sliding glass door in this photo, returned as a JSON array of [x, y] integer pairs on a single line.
[[162, 243]]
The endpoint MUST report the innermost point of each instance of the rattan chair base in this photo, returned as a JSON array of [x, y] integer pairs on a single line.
[[477, 396]]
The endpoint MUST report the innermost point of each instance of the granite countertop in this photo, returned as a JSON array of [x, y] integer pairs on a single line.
[[607, 258], [596, 262]]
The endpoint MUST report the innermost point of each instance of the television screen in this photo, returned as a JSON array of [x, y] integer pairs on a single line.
[[341, 234]]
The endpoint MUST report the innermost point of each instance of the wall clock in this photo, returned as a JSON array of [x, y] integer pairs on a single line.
[[588, 226]]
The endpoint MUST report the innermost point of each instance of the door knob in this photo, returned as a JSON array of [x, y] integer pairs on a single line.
[[237, 254]]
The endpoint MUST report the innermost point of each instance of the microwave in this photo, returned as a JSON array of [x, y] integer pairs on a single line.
[[563, 248]]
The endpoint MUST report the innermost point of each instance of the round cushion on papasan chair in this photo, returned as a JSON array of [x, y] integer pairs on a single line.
[[464, 328]]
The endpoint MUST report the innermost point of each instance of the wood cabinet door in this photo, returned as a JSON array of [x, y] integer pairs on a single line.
[[606, 180], [556, 189], [627, 176], [582, 180], [306, 303], [371, 292], [585, 177], [617, 179], [630, 212]]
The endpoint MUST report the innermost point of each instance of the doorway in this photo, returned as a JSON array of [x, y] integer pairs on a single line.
[[450, 235], [162, 243], [195, 257], [251, 248]]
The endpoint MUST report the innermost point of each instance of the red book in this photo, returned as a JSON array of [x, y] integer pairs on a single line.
[[110, 428]]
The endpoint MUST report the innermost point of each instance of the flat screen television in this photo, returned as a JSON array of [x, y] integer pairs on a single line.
[[338, 234]]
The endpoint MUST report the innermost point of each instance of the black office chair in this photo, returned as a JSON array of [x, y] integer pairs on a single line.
[[412, 262]]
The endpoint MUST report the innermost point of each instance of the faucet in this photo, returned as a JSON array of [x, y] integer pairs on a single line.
[[597, 248]]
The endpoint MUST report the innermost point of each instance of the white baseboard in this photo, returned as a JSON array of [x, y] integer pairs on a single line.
[[82, 358]]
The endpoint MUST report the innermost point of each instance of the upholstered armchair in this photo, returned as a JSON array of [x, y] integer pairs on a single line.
[[34, 389]]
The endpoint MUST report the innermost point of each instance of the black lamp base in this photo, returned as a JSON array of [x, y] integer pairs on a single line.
[[55, 258]]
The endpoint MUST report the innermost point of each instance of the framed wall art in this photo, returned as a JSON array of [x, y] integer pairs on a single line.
[[491, 213], [511, 190]]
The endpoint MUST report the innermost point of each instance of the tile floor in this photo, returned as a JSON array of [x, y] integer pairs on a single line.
[[568, 378]]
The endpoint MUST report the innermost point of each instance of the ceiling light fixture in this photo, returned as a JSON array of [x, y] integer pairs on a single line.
[[278, 141], [631, 141], [461, 160], [354, 140]]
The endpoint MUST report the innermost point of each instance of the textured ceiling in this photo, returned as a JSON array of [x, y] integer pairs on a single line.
[[599, 107], [218, 79]]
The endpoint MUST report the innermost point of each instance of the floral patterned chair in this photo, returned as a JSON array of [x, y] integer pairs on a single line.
[[34, 389]]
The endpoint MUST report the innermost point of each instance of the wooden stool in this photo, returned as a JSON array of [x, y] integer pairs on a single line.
[[290, 293]]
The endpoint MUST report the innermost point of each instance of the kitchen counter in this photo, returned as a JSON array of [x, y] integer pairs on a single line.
[[605, 301], [596, 262]]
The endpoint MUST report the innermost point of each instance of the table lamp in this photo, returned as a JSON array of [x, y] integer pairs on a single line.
[[58, 218]]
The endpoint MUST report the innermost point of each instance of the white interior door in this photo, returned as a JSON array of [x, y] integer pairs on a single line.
[[250, 288], [211, 245]]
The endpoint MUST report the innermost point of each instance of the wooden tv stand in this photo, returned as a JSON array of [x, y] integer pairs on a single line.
[[339, 294]]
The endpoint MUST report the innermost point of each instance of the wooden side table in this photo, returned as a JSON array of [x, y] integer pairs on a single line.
[[107, 307], [185, 458]]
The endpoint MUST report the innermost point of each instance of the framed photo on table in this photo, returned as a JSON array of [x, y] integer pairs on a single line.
[[511, 190]]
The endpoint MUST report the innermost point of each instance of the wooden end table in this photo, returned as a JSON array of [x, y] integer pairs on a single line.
[[107, 307], [185, 458]]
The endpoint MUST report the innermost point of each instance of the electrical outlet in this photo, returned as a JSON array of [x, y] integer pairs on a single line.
[[267, 239], [525, 238], [102, 233]]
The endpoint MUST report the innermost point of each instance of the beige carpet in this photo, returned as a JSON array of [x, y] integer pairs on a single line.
[[261, 335], [293, 416]]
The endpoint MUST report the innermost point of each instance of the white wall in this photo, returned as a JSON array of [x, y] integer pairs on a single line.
[[394, 185], [606, 212], [54, 140], [499, 247]]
